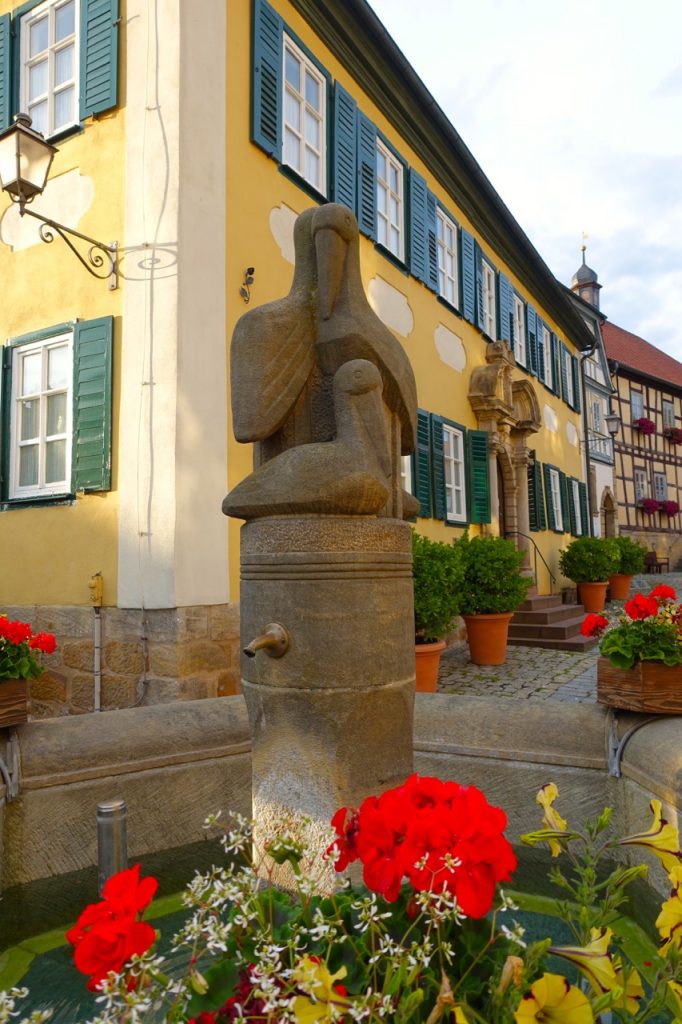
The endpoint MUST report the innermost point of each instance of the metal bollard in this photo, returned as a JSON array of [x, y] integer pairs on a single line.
[[112, 840]]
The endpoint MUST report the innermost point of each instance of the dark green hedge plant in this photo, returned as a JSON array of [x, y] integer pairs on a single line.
[[590, 559], [438, 576], [493, 581], [631, 556]]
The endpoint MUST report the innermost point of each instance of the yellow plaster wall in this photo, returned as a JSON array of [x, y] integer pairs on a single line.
[[256, 185], [47, 554]]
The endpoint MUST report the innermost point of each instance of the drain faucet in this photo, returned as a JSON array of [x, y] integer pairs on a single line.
[[274, 640]]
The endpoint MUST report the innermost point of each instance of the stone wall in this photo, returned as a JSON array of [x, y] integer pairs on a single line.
[[147, 657]]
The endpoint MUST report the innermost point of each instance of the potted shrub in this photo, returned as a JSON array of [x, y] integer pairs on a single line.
[[641, 665], [589, 562], [632, 557], [493, 589], [19, 650], [437, 575]]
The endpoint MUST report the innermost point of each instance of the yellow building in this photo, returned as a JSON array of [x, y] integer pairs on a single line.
[[193, 134]]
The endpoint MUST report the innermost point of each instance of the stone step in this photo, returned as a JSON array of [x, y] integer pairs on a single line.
[[539, 601], [579, 643], [550, 614], [566, 627]]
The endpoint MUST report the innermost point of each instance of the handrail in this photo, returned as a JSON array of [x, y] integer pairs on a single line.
[[536, 552]]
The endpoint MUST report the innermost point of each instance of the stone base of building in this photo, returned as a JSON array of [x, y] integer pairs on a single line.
[[147, 657]]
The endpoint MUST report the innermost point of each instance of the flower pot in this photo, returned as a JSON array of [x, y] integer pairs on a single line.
[[487, 636], [428, 663], [13, 702], [593, 596], [648, 686], [620, 586]]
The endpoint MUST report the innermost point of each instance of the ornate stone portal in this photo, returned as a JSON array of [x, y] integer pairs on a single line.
[[328, 397]]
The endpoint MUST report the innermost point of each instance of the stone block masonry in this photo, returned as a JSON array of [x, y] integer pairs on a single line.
[[147, 656]]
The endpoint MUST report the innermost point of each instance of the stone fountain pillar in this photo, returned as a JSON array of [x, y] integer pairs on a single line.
[[327, 395]]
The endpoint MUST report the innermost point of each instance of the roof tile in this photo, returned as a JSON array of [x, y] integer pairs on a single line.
[[638, 354]]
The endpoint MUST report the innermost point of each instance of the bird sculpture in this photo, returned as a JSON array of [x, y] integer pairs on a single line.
[[323, 389]]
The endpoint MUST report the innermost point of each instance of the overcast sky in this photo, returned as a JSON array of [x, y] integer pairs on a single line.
[[574, 112]]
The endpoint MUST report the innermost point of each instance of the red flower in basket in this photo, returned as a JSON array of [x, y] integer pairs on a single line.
[[644, 425], [671, 508], [649, 506]]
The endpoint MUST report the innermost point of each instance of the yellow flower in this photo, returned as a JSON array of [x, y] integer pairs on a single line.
[[662, 839], [314, 977], [552, 820], [676, 989], [633, 990], [552, 1000], [593, 960], [669, 921]]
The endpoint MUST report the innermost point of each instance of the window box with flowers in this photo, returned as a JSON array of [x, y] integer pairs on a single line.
[[644, 425], [671, 508], [649, 506], [19, 650], [641, 664], [673, 434]]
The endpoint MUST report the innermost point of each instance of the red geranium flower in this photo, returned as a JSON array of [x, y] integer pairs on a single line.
[[109, 933], [44, 642], [641, 607], [663, 592], [16, 632], [346, 832], [594, 625]]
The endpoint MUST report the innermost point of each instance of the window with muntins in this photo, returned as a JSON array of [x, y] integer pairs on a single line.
[[555, 498], [641, 485], [304, 117], [446, 233], [636, 405], [660, 487], [488, 300], [668, 413], [41, 419], [454, 471], [547, 355], [520, 331], [390, 207], [596, 416], [568, 376], [575, 487], [49, 84]]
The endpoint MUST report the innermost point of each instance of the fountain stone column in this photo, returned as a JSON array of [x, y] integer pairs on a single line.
[[327, 396]]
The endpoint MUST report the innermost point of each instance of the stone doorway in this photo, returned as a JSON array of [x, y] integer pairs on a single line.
[[608, 515]]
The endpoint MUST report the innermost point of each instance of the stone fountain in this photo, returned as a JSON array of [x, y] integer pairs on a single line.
[[327, 396]]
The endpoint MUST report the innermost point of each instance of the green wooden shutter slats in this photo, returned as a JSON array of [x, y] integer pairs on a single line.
[[556, 379], [573, 519], [345, 158], [419, 238], [99, 56], [92, 359], [548, 497], [431, 241], [478, 264], [437, 468], [565, 513], [506, 310], [468, 263], [539, 496], [564, 373], [266, 100], [422, 464], [575, 370], [540, 343], [479, 476], [5, 405], [5, 72], [367, 177], [584, 516], [532, 328]]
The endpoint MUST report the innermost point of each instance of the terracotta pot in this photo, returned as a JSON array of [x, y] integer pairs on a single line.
[[620, 586], [648, 686], [13, 702], [428, 663], [487, 636], [593, 596]]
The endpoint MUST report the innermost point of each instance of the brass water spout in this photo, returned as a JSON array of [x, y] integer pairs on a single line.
[[274, 640]]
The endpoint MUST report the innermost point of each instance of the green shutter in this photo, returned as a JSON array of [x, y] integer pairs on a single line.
[[345, 157], [536, 498], [468, 264], [419, 237], [584, 514], [266, 98], [92, 358], [532, 332], [5, 405], [99, 56], [437, 468], [548, 497], [432, 242], [555, 382], [565, 512], [571, 506], [540, 342], [479, 285], [564, 374], [505, 305], [5, 72], [575, 370], [367, 176], [479, 476], [421, 481]]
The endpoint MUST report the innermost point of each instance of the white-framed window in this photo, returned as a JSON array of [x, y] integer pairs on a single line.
[[489, 311], [597, 416], [636, 405], [660, 487], [446, 236], [41, 418], [641, 485], [668, 413], [547, 355], [406, 473], [453, 469], [575, 487], [555, 497], [390, 205], [569, 397], [49, 78], [519, 330], [304, 117]]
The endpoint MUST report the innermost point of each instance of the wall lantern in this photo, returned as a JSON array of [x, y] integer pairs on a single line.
[[612, 423], [25, 161]]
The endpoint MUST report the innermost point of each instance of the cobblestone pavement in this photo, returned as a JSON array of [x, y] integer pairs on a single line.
[[533, 673]]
